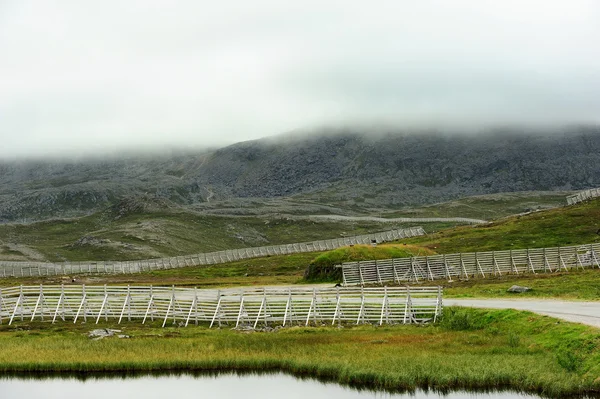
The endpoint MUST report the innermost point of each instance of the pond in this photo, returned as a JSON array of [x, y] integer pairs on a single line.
[[264, 386]]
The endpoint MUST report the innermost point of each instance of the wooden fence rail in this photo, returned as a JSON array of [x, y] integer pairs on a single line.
[[465, 265], [583, 195], [25, 269], [248, 308]]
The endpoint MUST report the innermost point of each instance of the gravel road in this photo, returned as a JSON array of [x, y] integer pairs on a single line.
[[390, 220]]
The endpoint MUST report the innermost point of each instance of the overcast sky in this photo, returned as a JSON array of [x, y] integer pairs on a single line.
[[80, 77]]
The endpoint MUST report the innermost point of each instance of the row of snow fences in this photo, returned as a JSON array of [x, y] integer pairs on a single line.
[[247, 308], [474, 264], [25, 269], [583, 195]]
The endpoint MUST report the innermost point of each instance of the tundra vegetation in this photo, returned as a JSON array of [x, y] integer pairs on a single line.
[[469, 348]]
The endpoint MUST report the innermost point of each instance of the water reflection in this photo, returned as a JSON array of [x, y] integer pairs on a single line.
[[220, 386]]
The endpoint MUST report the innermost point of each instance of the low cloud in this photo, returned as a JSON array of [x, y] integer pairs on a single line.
[[141, 75]]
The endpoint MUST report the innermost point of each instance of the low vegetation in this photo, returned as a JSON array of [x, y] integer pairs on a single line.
[[114, 235], [271, 270], [581, 285], [322, 268], [578, 224], [479, 349], [488, 207]]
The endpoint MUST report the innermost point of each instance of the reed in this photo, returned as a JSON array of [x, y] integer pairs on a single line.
[[470, 348]]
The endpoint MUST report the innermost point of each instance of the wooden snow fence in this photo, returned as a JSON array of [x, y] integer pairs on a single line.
[[583, 195], [27, 269], [247, 308], [473, 264]]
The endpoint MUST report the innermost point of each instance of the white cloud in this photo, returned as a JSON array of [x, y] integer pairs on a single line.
[[83, 77]]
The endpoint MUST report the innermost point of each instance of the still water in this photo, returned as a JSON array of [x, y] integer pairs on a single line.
[[222, 386]]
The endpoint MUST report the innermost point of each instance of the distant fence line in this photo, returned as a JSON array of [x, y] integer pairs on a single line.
[[248, 308], [25, 269], [463, 265], [583, 195]]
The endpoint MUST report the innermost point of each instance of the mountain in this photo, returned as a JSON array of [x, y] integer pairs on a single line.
[[355, 169]]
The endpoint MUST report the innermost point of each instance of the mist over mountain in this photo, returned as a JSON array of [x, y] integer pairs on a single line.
[[353, 167]]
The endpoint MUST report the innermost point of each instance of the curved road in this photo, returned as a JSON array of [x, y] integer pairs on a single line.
[[577, 312], [391, 220]]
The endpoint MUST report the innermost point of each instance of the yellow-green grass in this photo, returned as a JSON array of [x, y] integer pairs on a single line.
[[582, 285], [487, 207], [578, 224], [469, 349], [270, 270], [104, 236]]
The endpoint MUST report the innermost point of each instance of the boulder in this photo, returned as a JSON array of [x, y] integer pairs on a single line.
[[102, 333], [518, 289]]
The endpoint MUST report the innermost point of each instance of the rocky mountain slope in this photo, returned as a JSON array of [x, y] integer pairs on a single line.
[[350, 168]]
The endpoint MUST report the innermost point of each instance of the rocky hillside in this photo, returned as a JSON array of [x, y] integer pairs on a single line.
[[355, 169]]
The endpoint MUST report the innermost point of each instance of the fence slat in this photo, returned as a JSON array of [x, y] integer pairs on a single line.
[[243, 308], [463, 265]]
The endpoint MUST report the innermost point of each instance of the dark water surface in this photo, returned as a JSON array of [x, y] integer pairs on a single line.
[[222, 386]]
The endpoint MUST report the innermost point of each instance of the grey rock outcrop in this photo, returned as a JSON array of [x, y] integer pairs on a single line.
[[346, 167]]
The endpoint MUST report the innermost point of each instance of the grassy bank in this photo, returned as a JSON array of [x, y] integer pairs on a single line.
[[271, 270], [322, 267], [158, 233], [469, 349], [575, 285], [488, 207], [578, 224]]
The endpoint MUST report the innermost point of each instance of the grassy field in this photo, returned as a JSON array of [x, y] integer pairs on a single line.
[[576, 285], [272, 270], [107, 236], [578, 224], [137, 231], [487, 207], [469, 349], [291, 269]]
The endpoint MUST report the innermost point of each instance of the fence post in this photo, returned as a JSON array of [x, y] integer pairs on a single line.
[[337, 308], [428, 267], [1, 304], [479, 265], [407, 306], [462, 264], [512, 262], [288, 307], [438, 304], [385, 308], [546, 262], [593, 255], [530, 262]]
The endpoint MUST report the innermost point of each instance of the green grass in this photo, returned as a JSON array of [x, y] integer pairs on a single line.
[[574, 285], [469, 349], [271, 270], [159, 233], [556, 227], [488, 207], [322, 267]]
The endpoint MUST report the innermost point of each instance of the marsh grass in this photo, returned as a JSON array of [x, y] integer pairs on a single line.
[[477, 353]]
